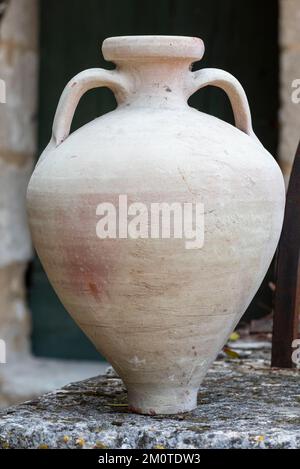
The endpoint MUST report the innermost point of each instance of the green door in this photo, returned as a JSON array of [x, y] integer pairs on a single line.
[[240, 37]]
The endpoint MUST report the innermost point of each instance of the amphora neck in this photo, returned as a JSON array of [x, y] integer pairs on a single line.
[[155, 83], [156, 68]]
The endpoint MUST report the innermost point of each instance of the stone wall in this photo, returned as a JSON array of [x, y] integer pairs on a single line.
[[18, 70], [289, 117]]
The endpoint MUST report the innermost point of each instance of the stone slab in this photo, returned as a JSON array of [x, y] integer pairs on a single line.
[[241, 404]]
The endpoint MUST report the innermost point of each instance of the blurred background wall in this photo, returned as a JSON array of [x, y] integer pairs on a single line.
[[289, 112], [18, 69], [258, 42]]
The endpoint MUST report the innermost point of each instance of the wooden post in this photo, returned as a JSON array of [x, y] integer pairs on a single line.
[[287, 294]]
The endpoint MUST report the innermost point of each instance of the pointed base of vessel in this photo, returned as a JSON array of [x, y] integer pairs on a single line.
[[153, 400]]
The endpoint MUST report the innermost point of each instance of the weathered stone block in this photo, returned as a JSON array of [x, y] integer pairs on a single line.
[[242, 404], [290, 23], [289, 70], [18, 71], [289, 115]]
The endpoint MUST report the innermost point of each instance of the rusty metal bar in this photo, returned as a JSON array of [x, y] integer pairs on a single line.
[[287, 294]]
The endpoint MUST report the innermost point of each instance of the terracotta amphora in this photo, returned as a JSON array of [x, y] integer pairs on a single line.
[[158, 306]]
